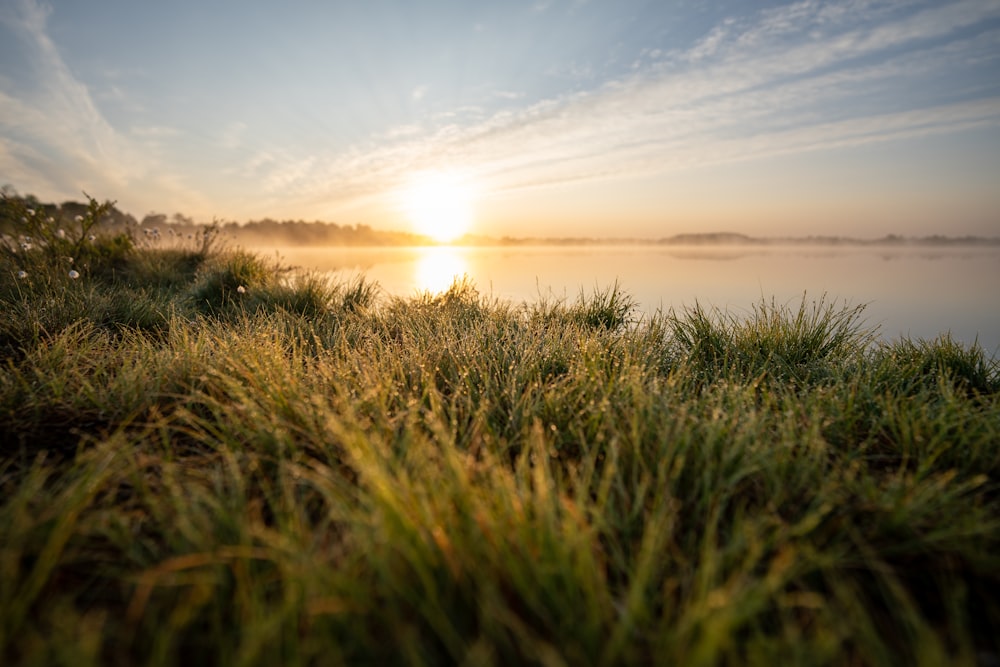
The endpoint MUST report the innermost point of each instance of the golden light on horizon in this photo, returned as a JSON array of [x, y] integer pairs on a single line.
[[439, 204]]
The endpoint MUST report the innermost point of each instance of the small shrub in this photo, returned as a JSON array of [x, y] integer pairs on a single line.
[[306, 294], [358, 295], [234, 282], [774, 343], [38, 243], [911, 366], [610, 308]]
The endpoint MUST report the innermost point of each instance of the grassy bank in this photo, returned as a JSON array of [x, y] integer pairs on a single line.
[[209, 460]]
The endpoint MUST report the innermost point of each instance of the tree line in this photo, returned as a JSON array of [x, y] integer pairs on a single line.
[[254, 232]]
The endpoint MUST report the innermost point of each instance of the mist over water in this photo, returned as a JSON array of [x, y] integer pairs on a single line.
[[920, 292]]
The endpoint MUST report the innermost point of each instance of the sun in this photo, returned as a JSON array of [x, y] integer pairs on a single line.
[[439, 204]]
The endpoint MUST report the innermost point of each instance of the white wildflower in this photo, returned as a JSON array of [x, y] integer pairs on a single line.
[[91, 237], [241, 289], [79, 218], [60, 232], [69, 259], [31, 211], [25, 246], [74, 274], [22, 274]]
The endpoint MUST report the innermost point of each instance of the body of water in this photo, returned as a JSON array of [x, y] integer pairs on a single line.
[[920, 292]]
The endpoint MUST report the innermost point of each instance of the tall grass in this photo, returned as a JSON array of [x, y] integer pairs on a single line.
[[307, 472]]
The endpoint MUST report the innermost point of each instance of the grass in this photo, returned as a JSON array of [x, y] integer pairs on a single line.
[[308, 472]]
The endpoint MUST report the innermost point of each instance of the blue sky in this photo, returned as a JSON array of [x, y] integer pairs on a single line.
[[564, 117]]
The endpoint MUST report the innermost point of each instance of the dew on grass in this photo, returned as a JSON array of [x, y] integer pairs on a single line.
[[74, 274]]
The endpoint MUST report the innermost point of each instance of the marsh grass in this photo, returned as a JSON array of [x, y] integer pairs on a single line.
[[307, 472]]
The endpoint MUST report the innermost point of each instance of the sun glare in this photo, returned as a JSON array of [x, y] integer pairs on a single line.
[[439, 205], [438, 268]]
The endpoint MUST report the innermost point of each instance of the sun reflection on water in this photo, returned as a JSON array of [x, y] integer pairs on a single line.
[[438, 267]]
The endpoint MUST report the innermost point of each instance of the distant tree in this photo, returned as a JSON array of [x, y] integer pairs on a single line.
[[154, 220]]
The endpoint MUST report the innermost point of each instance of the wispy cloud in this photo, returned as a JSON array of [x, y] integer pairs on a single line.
[[709, 45], [56, 138], [806, 77], [508, 95]]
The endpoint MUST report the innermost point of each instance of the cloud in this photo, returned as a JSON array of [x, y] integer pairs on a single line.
[[803, 77], [508, 94], [58, 112], [56, 141], [810, 76], [709, 45]]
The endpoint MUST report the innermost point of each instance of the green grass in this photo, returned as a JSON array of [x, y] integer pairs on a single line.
[[309, 472]]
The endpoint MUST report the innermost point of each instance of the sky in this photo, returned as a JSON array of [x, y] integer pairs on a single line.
[[610, 118]]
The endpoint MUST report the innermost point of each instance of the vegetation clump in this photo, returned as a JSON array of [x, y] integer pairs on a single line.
[[208, 459]]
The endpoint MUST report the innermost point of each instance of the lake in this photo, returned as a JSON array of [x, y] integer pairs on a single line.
[[915, 291]]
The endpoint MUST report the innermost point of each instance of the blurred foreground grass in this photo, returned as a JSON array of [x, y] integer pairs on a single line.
[[207, 459]]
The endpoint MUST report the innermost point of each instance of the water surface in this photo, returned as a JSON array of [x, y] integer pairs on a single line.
[[920, 292]]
